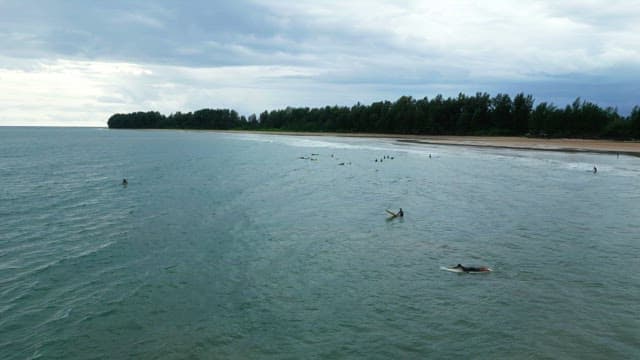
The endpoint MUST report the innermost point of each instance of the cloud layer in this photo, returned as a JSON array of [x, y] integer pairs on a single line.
[[77, 62]]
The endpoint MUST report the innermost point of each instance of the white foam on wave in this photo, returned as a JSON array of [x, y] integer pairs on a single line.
[[327, 142]]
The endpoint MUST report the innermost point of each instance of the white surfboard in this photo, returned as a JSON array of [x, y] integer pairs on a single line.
[[455, 270], [449, 269]]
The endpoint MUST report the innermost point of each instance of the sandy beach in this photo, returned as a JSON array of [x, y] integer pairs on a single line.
[[507, 142]]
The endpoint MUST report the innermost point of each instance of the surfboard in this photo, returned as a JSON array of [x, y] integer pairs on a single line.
[[391, 213], [488, 270], [449, 269]]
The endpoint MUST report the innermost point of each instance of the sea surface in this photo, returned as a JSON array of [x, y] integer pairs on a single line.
[[243, 246]]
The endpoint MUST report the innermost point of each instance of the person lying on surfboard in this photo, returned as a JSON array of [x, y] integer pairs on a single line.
[[471, 268]]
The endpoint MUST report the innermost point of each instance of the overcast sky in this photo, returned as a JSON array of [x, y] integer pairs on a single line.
[[76, 62]]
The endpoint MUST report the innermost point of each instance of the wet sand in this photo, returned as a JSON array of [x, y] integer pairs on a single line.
[[523, 143], [507, 142]]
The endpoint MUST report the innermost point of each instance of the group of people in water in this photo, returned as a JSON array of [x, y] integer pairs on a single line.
[[386, 157]]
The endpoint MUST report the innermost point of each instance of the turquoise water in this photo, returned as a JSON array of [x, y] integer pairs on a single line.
[[230, 246]]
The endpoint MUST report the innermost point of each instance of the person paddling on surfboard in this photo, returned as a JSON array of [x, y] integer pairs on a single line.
[[395, 215], [471, 268]]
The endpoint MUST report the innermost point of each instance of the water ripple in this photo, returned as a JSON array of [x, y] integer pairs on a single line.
[[235, 248]]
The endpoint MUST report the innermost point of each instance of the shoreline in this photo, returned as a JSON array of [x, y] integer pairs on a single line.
[[631, 148]]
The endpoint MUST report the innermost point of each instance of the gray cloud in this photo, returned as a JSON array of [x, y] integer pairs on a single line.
[[141, 31], [310, 53]]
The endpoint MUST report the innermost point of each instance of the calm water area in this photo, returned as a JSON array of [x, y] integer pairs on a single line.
[[244, 246]]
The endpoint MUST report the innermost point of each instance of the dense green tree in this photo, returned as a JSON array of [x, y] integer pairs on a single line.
[[521, 112], [501, 107], [540, 121], [634, 119], [136, 120], [462, 115]]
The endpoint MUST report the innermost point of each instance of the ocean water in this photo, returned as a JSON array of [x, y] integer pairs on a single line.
[[232, 246]]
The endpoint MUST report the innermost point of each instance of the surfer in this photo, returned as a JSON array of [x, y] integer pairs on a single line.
[[395, 215], [125, 182], [595, 169], [471, 268]]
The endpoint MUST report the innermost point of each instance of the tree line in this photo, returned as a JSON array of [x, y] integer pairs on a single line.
[[480, 114]]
